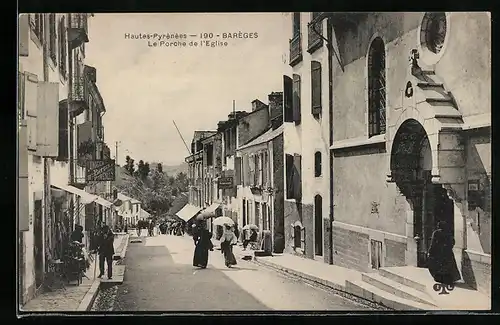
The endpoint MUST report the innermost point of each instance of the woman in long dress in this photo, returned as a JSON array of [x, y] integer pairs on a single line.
[[441, 261], [203, 245], [227, 241]]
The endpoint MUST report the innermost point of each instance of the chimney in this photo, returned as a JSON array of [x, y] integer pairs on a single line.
[[257, 104], [276, 109]]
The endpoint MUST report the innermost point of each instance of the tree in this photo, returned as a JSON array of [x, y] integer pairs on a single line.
[[182, 182], [159, 168], [140, 169], [129, 165], [146, 170]]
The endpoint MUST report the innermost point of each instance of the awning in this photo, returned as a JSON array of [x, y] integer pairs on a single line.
[[85, 197], [188, 212], [103, 202], [210, 211]]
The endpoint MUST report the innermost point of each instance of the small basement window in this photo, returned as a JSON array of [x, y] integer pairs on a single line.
[[317, 164]]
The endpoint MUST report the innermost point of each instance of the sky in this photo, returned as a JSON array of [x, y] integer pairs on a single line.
[[145, 88]]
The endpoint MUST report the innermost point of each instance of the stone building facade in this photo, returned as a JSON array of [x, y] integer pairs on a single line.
[[411, 139], [306, 140]]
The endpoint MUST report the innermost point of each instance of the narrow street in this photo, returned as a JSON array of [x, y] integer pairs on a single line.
[[160, 277]]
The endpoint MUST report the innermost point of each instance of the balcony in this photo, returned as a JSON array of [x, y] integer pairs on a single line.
[[295, 50], [78, 31], [315, 27], [80, 95], [100, 133]]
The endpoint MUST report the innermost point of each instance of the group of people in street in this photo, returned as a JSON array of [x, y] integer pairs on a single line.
[[203, 244], [104, 246]]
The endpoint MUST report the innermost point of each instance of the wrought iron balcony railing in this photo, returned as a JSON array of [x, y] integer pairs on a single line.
[[315, 27], [295, 50], [78, 30]]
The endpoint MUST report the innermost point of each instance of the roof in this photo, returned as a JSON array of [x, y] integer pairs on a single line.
[[179, 202], [266, 137], [123, 197]]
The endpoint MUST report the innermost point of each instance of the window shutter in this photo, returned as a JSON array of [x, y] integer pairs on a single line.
[[30, 105], [48, 119], [316, 87], [251, 164], [289, 176], [288, 98], [296, 99], [23, 187], [297, 177], [246, 171], [24, 35], [21, 79], [265, 169], [237, 168], [256, 169]]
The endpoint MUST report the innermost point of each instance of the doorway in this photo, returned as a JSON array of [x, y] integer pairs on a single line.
[[38, 243], [318, 225], [244, 213], [411, 166]]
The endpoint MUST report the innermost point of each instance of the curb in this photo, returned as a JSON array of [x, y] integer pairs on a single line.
[[124, 249], [90, 296], [340, 290]]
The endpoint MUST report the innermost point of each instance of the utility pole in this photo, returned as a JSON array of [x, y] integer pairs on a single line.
[[116, 152], [234, 108]]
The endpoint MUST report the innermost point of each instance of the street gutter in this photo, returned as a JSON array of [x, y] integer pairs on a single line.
[[91, 295]]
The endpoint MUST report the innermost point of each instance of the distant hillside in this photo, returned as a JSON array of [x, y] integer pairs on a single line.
[[171, 170]]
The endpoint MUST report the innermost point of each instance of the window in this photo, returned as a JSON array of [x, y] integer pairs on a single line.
[[296, 99], [376, 88], [266, 221], [317, 164], [288, 98], [36, 22], [52, 38], [434, 31], [316, 88], [296, 24]]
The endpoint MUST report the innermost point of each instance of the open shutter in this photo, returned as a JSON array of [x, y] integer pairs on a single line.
[[288, 98], [30, 105], [237, 169], [296, 99], [48, 119], [297, 176], [289, 176], [251, 163], [245, 170], [265, 169], [24, 34], [315, 88]]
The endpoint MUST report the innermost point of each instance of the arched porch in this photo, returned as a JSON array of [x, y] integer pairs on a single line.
[[427, 166]]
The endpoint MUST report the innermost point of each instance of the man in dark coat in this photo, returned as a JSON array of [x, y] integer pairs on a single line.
[[106, 250]]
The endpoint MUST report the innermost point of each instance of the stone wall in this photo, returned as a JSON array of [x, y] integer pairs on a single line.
[[296, 211], [476, 270], [351, 249], [394, 253]]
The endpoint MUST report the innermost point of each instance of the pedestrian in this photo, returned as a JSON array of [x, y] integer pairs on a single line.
[[203, 244], [441, 260], [106, 251], [77, 234], [227, 240], [194, 233], [253, 238]]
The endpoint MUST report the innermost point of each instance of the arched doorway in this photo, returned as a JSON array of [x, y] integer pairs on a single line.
[[318, 225], [411, 166]]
